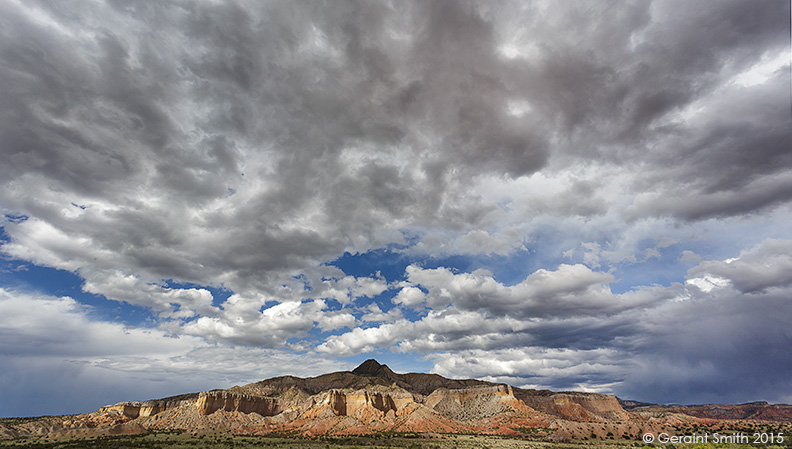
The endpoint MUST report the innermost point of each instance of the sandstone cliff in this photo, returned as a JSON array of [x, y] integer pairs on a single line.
[[148, 408], [372, 398], [575, 406]]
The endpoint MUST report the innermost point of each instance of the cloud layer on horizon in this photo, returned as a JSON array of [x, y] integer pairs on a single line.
[[616, 177]]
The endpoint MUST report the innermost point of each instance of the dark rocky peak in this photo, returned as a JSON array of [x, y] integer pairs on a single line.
[[373, 368]]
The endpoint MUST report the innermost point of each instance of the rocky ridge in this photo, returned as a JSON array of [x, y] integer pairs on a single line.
[[372, 398], [757, 411]]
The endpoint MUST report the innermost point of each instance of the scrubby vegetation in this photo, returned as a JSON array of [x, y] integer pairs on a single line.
[[173, 440], [177, 440], [188, 441]]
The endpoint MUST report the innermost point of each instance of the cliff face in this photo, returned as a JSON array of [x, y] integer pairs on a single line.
[[348, 404], [370, 398], [463, 395], [148, 408], [211, 401], [575, 406], [373, 398]]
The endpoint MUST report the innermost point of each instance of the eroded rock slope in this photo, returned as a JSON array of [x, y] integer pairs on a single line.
[[371, 398]]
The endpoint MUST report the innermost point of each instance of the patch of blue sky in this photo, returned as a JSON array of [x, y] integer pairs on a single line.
[[664, 268], [299, 340], [711, 240], [219, 294], [331, 304], [18, 275], [508, 269], [304, 279], [398, 362], [413, 314], [385, 303], [13, 218], [722, 239], [390, 264], [544, 251], [384, 300]]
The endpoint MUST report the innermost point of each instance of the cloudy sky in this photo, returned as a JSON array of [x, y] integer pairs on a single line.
[[589, 195]]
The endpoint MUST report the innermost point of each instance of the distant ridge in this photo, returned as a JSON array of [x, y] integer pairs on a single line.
[[372, 399]]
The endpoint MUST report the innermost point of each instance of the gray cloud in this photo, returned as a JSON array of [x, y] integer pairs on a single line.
[[766, 266], [708, 349], [696, 342], [537, 367], [361, 119], [62, 360]]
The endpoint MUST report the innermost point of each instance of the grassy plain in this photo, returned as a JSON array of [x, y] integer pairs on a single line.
[[189, 441]]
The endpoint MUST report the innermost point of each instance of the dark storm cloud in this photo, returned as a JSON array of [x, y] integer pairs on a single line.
[[723, 347], [156, 112], [61, 361], [709, 350], [698, 342], [623, 92], [726, 159], [767, 266], [247, 144], [737, 163], [364, 117]]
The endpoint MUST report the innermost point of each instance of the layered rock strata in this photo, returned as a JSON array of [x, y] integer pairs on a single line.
[[148, 408], [373, 398], [211, 401], [373, 391], [575, 406]]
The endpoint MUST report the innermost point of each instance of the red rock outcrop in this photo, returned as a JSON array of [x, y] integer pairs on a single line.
[[350, 403], [575, 406], [211, 401], [373, 398], [148, 408], [461, 395]]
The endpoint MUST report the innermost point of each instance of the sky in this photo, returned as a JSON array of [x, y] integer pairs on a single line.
[[578, 195]]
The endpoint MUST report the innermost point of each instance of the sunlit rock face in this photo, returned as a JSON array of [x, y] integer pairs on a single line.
[[575, 406], [462, 395], [148, 408], [209, 402], [355, 402], [372, 398]]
